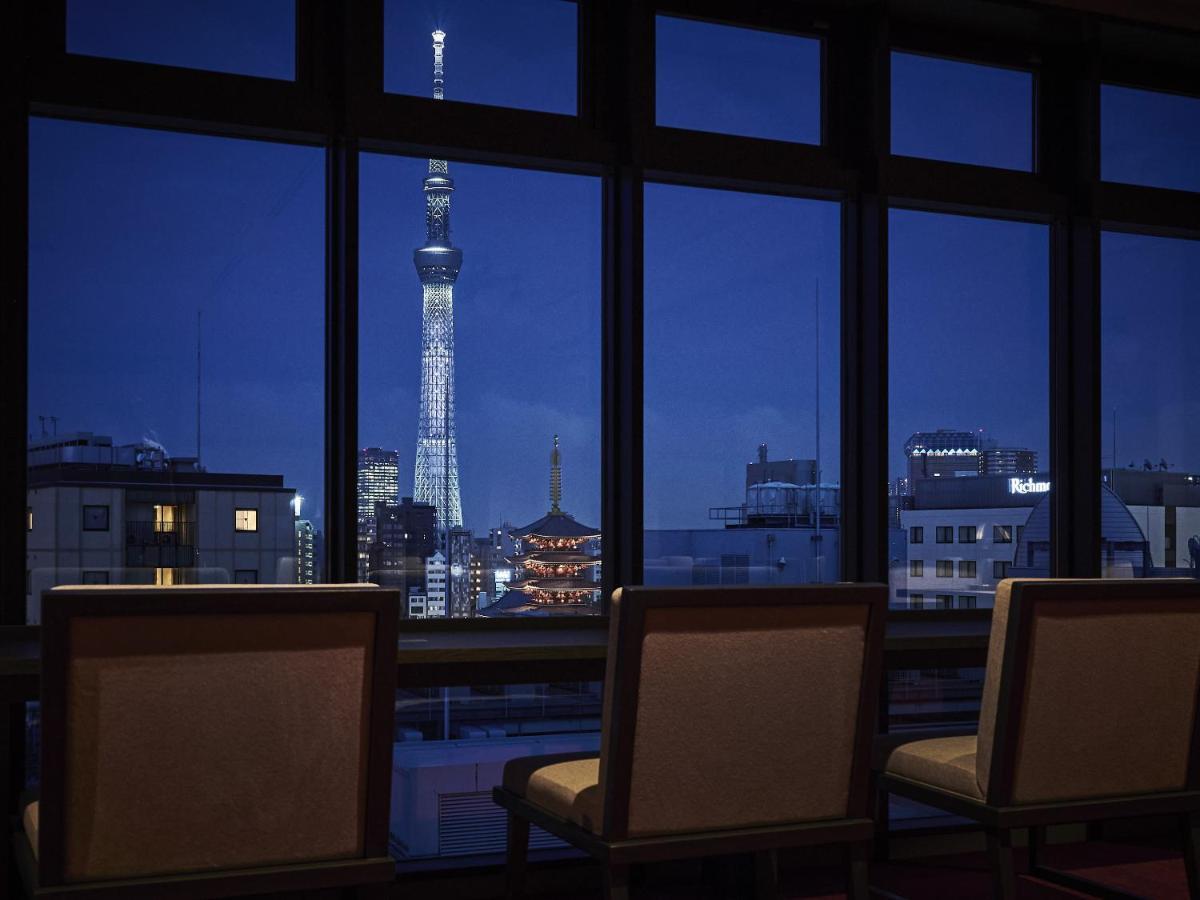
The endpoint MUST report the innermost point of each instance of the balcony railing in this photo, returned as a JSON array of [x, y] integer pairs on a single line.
[[175, 534]]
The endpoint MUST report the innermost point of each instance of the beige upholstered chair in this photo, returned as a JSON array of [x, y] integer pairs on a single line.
[[212, 741], [735, 720], [1090, 711]]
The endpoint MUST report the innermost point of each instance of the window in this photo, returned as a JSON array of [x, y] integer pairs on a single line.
[[916, 535], [245, 576], [1150, 455], [1000, 569], [527, 295], [256, 38], [945, 601], [1002, 534], [1149, 138], [29, 518], [916, 568], [742, 452], [966, 568], [945, 568], [95, 577], [519, 53], [737, 80], [120, 219], [962, 112], [95, 518], [245, 520], [951, 281], [967, 534], [966, 601], [735, 568], [916, 601]]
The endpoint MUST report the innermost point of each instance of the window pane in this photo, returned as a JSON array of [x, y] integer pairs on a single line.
[[741, 485], [962, 112], [490, 335], [737, 81], [1149, 138], [176, 346], [968, 298], [256, 38], [1150, 498], [520, 53]]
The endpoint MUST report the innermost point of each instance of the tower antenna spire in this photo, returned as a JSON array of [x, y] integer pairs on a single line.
[[439, 72], [555, 478]]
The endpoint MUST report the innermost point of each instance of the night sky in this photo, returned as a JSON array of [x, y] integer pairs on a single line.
[[133, 231]]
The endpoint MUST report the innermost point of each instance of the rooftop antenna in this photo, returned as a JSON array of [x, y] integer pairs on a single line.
[[817, 369], [198, 374], [439, 45], [54, 424], [42, 423]]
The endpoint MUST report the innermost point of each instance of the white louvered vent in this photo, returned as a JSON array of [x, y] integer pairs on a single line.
[[472, 823]]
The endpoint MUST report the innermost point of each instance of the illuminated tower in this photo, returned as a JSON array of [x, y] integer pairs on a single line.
[[435, 480]]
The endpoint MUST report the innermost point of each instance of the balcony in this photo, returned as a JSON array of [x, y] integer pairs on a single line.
[[160, 544]]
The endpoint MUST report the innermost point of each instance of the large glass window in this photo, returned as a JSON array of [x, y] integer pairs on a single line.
[[1150, 497], [741, 388], [176, 356], [257, 38], [479, 388], [968, 298], [962, 112], [520, 53], [737, 80], [1149, 138]]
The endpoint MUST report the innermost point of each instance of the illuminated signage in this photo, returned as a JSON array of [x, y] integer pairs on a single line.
[[1027, 486]]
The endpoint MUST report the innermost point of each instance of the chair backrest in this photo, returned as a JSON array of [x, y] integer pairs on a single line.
[[213, 727], [1092, 690], [739, 707]]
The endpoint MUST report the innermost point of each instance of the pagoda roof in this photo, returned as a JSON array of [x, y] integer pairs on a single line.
[[556, 524], [560, 584], [559, 557], [518, 603]]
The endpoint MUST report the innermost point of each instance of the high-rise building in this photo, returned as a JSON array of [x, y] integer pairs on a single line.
[[405, 539], [378, 482], [459, 543], [435, 476], [306, 552], [1007, 461]]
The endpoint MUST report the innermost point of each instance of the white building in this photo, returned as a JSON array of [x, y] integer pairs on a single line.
[[436, 586], [306, 552]]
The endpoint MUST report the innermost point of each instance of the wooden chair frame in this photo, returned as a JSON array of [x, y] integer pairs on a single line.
[[44, 875], [998, 813], [614, 847]]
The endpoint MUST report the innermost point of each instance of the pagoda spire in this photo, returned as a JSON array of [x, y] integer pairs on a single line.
[[555, 479]]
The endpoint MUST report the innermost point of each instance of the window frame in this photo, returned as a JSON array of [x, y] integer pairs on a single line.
[[83, 517], [613, 135], [237, 524]]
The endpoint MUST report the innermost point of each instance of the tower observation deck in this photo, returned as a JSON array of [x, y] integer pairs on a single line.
[[435, 479]]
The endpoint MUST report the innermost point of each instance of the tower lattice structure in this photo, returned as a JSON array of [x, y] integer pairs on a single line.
[[435, 479]]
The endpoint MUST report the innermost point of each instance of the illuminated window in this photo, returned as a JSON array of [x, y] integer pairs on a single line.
[[245, 520], [29, 518], [165, 517], [164, 577], [945, 568]]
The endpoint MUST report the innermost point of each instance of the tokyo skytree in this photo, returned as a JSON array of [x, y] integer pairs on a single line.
[[435, 480]]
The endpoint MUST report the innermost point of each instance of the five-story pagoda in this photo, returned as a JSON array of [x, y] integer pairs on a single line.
[[554, 574]]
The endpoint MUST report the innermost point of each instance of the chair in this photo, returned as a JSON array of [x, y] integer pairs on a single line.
[[735, 720], [213, 741], [1089, 712]]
